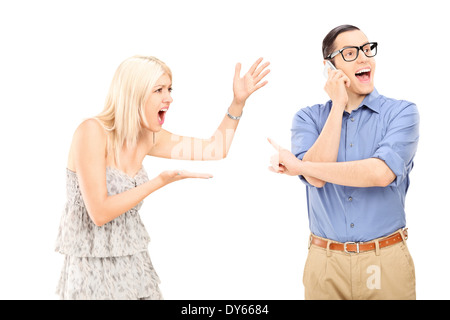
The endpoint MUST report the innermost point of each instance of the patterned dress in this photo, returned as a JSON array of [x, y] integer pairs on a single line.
[[107, 262]]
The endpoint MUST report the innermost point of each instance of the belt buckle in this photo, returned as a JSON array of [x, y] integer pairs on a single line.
[[351, 242]]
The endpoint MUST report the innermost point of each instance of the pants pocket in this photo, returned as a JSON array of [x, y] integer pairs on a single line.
[[397, 273]]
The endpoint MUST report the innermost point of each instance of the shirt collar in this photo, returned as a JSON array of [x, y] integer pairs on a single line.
[[371, 101]]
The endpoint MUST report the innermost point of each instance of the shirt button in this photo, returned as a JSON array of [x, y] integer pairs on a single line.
[[350, 198], [352, 119], [352, 225], [351, 145]]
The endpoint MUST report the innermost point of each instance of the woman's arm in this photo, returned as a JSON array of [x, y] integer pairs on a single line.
[[169, 145], [89, 155]]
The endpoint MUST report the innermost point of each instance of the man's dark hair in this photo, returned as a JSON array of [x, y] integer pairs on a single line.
[[328, 41]]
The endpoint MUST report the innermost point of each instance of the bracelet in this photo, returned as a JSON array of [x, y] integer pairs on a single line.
[[233, 117]]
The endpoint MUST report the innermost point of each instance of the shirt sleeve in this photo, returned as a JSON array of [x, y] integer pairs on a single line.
[[399, 145], [304, 134]]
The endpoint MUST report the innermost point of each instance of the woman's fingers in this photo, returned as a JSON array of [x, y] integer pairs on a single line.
[[176, 175], [254, 66], [261, 68], [261, 76], [237, 71], [201, 175], [187, 174], [261, 85], [250, 82]]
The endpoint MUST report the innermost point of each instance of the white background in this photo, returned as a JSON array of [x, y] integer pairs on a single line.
[[243, 234]]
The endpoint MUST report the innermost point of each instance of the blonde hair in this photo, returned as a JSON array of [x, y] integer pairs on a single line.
[[123, 113]]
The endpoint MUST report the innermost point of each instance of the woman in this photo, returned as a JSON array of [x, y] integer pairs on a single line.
[[101, 234]]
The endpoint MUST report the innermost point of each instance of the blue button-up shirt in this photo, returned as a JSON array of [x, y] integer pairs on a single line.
[[380, 127]]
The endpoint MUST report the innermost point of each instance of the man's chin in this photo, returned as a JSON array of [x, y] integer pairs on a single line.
[[365, 90]]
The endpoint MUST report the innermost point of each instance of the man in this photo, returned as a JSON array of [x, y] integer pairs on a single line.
[[355, 154]]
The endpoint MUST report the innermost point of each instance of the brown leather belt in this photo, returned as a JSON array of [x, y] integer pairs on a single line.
[[357, 247]]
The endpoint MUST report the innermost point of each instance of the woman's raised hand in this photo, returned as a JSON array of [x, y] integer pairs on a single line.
[[250, 82]]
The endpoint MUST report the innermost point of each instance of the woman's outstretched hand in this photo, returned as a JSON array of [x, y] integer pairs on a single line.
[[176, 175], [250, 82]]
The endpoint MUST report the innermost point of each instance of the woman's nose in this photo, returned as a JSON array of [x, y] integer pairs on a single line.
[[168, 98]]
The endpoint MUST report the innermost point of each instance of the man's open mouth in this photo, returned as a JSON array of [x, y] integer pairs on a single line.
[[363, 75]]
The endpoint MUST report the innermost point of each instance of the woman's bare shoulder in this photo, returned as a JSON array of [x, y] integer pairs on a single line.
[[89, 137], [91, 128]]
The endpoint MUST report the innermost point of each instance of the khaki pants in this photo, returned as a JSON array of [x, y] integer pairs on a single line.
[[386, 273]]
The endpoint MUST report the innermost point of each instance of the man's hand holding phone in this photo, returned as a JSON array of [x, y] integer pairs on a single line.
[[336, 85]]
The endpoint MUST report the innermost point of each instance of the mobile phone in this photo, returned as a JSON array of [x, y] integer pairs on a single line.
[[328, 65]]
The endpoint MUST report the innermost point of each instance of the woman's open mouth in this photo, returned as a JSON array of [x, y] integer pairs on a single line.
[[363, 75], [162, 115]]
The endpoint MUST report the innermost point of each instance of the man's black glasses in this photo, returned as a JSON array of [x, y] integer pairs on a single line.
[[351, 53]]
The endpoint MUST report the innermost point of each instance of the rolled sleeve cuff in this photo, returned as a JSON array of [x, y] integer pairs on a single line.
[[302, 178], [394, 162]]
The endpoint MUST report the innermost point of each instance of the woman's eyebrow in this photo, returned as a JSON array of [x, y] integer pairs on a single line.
[[162, 85]]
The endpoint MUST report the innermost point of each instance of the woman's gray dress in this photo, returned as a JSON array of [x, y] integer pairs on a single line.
[[107, 262]]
